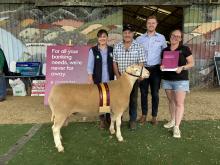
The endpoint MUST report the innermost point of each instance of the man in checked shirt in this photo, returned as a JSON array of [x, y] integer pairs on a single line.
[[126, 53]]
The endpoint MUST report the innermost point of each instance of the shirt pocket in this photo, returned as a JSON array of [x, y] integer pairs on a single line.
[[158, 43]]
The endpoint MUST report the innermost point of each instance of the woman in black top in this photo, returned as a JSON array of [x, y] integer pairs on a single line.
[[176, 83]]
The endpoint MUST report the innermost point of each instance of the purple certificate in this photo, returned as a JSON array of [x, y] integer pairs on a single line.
[[170, 60]]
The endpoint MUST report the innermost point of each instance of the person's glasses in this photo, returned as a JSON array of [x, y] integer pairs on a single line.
[[175, 36]]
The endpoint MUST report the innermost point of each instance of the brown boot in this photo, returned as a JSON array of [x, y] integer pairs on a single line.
[[142, 119], [132, 125], [154, 121], [2, 99], [102, 124]]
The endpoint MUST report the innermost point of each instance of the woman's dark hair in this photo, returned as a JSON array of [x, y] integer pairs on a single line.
[[177, 30], [102, 31]]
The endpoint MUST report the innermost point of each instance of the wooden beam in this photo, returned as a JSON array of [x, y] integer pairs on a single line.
[[17, 1], [106, 2], [168, 16], [117, 2]]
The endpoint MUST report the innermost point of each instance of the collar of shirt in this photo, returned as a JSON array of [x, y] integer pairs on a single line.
[[105, 49], [155, 34], [132, 44]]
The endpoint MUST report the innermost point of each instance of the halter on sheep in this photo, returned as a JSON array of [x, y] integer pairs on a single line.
[[66, 99]]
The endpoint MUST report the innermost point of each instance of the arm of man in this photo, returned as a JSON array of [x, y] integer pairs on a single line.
[[142, 58], [115, 64], [115, 68], [164, 43], [161, 57], [90, 67]]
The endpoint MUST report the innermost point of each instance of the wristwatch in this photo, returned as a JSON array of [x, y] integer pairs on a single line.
[[184, 68]]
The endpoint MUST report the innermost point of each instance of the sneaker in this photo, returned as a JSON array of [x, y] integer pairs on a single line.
[[176, 132], [142, 119], [170, 124]]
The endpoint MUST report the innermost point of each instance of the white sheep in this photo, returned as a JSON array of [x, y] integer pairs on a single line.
[[67, 99]]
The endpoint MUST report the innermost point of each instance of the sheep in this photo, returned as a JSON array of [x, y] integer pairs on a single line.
[[67, 99]]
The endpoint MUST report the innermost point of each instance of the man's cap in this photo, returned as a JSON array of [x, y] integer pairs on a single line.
[[128, 27]]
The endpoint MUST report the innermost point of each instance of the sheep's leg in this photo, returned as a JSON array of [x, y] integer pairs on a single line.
[[112, 125], [52, 112], [66, 122], [58, 123], [118, 127]]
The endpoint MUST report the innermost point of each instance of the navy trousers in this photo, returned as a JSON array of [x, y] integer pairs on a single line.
[[154, 83], [133, 102]]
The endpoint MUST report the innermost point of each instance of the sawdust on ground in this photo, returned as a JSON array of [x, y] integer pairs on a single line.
[[203, 104]]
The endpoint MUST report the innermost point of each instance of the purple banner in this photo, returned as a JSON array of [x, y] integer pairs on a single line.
[[65, 64]]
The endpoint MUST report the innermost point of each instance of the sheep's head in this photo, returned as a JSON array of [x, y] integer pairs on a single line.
[[137, 71]]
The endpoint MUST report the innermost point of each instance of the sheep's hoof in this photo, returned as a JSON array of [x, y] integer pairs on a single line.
[[112, 131], [60, 149], [120, 139]]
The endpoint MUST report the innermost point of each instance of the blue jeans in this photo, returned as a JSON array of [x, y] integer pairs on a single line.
[[2, 87], [133, 102], [154, 82], [182, 85]]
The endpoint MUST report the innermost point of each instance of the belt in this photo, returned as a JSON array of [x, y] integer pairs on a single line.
[[152, 66]]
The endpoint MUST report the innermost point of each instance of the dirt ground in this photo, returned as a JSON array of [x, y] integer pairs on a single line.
[[203, 104]]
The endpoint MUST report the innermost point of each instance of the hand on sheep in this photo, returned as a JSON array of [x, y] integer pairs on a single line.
[[140, 79]]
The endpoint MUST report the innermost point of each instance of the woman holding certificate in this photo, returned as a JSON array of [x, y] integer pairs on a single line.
[[177, 59]]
